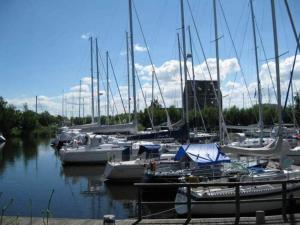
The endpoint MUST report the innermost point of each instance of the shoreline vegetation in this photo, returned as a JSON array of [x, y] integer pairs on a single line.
[[18, 123]]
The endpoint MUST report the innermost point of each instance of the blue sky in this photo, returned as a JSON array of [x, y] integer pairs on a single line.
[[43, 49]]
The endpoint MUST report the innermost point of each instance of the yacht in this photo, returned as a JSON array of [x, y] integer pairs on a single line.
[[2, 138], [294, 155], [215, 197], [94, 151], [132, 170]]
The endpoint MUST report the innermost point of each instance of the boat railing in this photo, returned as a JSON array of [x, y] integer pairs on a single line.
[[236, 185]]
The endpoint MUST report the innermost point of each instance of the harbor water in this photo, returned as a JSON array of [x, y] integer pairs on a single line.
[[30, 169]]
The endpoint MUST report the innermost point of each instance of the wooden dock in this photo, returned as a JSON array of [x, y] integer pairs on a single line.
[[274, 220]]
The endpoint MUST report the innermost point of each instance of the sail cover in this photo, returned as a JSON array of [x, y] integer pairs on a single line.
[[202, 153], [150, 149]]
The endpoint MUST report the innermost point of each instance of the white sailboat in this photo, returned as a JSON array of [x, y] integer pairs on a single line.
[[215, 195], [133, 170], [93, 151], [294, 155], [275, 148], [2, 138]]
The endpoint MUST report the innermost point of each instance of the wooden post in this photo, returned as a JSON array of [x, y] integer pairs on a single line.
[[237, 204], [189, 216], [139, 204], [284, 201]]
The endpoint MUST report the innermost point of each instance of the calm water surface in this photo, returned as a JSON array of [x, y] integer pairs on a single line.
[[31, 169]]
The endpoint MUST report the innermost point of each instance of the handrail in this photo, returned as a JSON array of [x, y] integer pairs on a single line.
[[215, 184], [237, 200]]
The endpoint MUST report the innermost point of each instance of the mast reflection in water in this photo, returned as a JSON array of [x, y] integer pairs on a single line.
[[30, 169]]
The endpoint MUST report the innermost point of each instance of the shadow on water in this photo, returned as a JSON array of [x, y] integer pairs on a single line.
[[30, 169], [17, 149], [118, 199]]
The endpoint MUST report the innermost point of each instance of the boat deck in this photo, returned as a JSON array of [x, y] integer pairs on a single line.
[[292, 219]]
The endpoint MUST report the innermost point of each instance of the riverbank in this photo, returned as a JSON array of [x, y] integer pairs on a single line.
[[292, 219]]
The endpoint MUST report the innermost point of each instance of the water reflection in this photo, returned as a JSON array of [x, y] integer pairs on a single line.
[[30, 169], [109, 198], [25, 149]]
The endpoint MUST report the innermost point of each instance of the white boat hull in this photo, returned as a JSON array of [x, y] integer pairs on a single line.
[[2, 139], [81, 155], [125, 171], [230, 208], [294, 155]]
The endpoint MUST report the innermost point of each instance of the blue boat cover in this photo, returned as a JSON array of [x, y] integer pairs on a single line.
[[152, 149], [202, 153]]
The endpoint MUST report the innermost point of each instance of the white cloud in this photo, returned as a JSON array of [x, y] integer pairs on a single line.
[[169, 79], [84, 88], [86, 35], [139, 48]]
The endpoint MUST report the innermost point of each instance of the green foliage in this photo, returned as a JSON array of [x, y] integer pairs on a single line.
[[15, 123], [29, 121]]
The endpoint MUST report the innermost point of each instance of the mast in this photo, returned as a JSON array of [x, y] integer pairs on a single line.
[[277, 69], [180, 70], [218, 72], [186, 118], [193, 71], [98, 83], [107, 89], [83, 109], [63, 105], [298, 47], [79, 104], [128, 74], [132, 64], [36, 103], [92, 78], [261, 126], [152, 98], [293, 106]]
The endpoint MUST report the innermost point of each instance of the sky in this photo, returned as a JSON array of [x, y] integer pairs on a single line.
[[45, 50]]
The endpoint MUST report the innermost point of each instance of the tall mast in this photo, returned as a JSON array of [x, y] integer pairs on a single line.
[[98, 82], [128, 74], [277, 69], [261, 126], [83, 108], [36, 103], [218, 72], [92, 79], [63, 104], [180, 71], [132, 63], [79, 104], [193, 71], [152, 97], [298, 46], [186, 118], [107, 88], [293, 106], [292, 22]]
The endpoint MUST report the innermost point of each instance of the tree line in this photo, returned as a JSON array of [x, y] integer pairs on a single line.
[[14, 122]]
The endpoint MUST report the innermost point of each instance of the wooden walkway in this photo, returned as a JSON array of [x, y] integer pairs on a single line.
[[274, 220]]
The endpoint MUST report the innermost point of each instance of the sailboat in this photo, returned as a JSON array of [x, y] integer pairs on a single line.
[[2, 139], [277, 146], [214, 196]]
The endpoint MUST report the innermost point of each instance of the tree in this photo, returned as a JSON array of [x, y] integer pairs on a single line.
[[29, 122]]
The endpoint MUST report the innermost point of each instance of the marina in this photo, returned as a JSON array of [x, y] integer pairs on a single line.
[[207, 158]]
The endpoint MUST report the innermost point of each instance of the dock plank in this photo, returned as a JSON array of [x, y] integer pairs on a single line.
[[274, 220]]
